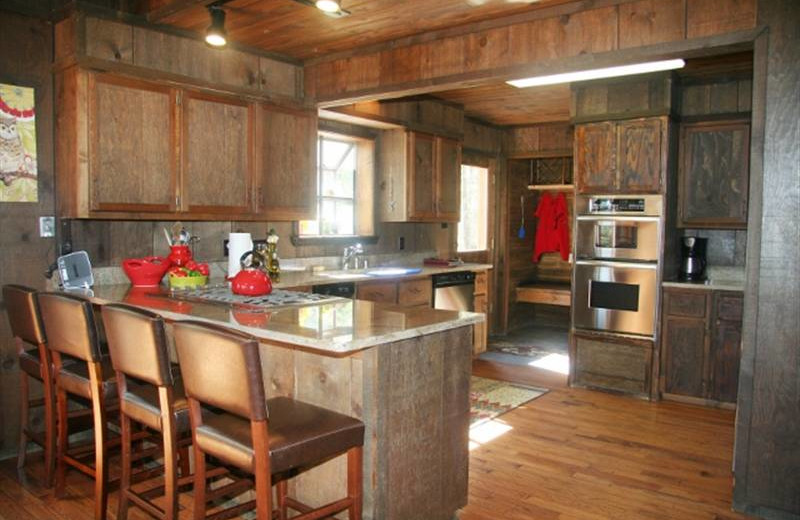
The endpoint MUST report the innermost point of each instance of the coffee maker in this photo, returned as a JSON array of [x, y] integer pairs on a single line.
[[693, 259]]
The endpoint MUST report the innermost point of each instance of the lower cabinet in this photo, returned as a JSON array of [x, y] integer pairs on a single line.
[[481, 304], [408, 293], [611, 363], [701, 344]]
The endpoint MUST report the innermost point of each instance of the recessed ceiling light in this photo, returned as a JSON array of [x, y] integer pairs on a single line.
[[329, 6], [215, 34], [609, 72]]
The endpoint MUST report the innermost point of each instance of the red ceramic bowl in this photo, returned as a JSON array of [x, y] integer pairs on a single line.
[[145, 272]]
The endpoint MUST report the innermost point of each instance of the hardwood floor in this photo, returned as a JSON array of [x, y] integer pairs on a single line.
[[570, 454]]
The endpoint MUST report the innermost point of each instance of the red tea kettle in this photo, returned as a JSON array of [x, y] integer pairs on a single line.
[[251, 280]]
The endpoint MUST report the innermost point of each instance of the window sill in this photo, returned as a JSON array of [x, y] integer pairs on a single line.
[[347, 240]]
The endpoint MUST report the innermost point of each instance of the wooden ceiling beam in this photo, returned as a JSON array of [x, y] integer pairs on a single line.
[[615, 34], [158, 10]]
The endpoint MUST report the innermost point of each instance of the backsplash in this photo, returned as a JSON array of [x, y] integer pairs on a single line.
[[726, 247], [110, 242]]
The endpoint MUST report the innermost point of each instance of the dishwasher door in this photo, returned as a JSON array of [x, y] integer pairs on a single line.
[[455, 297]]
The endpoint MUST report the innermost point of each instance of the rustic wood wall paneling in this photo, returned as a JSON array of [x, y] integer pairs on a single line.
[[768, 419], [25, 57], [539, 140]]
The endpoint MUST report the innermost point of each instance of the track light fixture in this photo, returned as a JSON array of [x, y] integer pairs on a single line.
[[215, 34]]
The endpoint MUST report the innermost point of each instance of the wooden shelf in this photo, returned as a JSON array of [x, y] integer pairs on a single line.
[[556, 187]]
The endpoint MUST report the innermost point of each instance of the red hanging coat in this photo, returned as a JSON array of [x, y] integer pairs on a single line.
[[552, 232]]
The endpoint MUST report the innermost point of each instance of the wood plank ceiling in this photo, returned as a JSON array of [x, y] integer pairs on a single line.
[[302, 32], [502, 104]]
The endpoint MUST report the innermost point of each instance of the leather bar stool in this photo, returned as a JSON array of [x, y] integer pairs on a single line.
[[26, 327], [271, 439], [72, 333], [149, 395]]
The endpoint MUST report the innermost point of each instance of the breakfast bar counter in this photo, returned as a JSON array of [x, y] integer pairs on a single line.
[[405, 372]]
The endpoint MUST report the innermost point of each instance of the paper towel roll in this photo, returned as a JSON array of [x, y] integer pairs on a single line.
[[238, 244]]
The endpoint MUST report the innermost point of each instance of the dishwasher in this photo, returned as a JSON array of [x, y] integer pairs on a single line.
[[454, 291]]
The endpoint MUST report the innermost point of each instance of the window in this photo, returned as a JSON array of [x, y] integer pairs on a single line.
[[344, 169], [473, 227]]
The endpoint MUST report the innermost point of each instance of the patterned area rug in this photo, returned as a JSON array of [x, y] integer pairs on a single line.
[[523, 350], [490, 398]]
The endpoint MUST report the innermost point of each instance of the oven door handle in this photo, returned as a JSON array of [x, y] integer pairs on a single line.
[[627, 265], [618, 218]]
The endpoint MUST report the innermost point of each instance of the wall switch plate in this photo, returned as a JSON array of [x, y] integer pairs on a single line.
[[47, 227], [401, 243]]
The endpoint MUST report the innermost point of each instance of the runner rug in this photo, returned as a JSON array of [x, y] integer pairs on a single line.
[[490, 398]]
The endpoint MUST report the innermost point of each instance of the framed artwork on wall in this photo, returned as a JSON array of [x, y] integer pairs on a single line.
[[18, 170]]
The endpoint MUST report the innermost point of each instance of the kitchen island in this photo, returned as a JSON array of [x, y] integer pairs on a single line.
[[405, 372]]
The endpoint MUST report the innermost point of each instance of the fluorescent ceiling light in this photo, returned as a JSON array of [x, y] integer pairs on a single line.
[[610, 72]]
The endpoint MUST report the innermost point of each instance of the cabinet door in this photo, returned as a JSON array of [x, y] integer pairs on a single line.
[[726, 343], [411, 293], [287, 171], [595, 158], [480, 333], [684, 343], [217, 164], [639, 155], [714, 175], [448, 183], [381, 292], [132, 161], [422, 177]]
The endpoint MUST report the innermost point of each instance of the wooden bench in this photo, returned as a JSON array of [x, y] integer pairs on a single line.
[[550, 293]]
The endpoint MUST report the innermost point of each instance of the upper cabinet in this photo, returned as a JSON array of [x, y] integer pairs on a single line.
[[621, 156], [130, 144], [713, 174], [217, 137], [135, 149], [287, 166], [419, 177]]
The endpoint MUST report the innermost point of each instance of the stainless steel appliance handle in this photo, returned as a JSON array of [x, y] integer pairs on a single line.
[[619, 218], [627, 265]]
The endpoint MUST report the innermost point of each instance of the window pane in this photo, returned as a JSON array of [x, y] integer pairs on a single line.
[[340, 182], [472, 228], [333, 152], [336, 217]]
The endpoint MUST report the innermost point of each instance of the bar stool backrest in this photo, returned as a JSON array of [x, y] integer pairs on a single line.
[[23, 313], [70, 326], [221, 368], [137, 343]]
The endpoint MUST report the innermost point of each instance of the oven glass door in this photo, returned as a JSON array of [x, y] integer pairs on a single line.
[[615, 296], [622, 238]]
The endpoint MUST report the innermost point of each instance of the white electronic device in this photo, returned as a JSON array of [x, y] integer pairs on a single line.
[[75, 270]]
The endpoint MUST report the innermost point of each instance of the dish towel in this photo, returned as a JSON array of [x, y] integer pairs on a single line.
[[552, 232]]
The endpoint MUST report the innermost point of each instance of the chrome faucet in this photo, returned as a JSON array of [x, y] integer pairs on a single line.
[[353, 253]]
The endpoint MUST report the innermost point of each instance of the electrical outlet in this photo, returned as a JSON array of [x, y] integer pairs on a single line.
[[401, 243], [47, 227]]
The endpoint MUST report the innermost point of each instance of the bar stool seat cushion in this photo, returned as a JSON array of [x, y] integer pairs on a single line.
[[141, 403], [74, 378], [299, 434], [29, 363]]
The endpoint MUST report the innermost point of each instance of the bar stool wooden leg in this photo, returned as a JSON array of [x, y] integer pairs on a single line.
[[170, 435], [62, 444], [281, 492], [100, 437], [125, 476], [199, 485], [354, 482], [49, 423], [24, 416], [262, 472]]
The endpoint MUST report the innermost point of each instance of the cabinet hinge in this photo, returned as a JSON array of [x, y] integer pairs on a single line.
[[177, 202], [178, 99]]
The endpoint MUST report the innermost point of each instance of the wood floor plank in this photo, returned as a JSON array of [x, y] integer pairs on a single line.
[[571, 454]]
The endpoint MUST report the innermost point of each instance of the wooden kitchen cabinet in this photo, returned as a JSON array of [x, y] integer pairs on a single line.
[[287, 163], [130, 143], [611, 362], [381, 292], [135, 149], [419, 177], [413, 293], [217, 164], [480, 337], [700, 345], [713, 174], [621, 156]]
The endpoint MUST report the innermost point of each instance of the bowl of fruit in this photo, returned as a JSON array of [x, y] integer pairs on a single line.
[[189, 276]]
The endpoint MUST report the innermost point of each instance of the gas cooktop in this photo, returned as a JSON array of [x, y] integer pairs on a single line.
[[222, 294]]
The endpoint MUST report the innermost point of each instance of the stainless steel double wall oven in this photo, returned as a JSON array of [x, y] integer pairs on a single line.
[[617, 250]]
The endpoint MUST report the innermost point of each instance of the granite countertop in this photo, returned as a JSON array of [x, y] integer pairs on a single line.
[[296, 278], [335, 327], [718, 279]]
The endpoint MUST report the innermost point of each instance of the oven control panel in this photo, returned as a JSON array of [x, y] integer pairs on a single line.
[[646, 205]]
